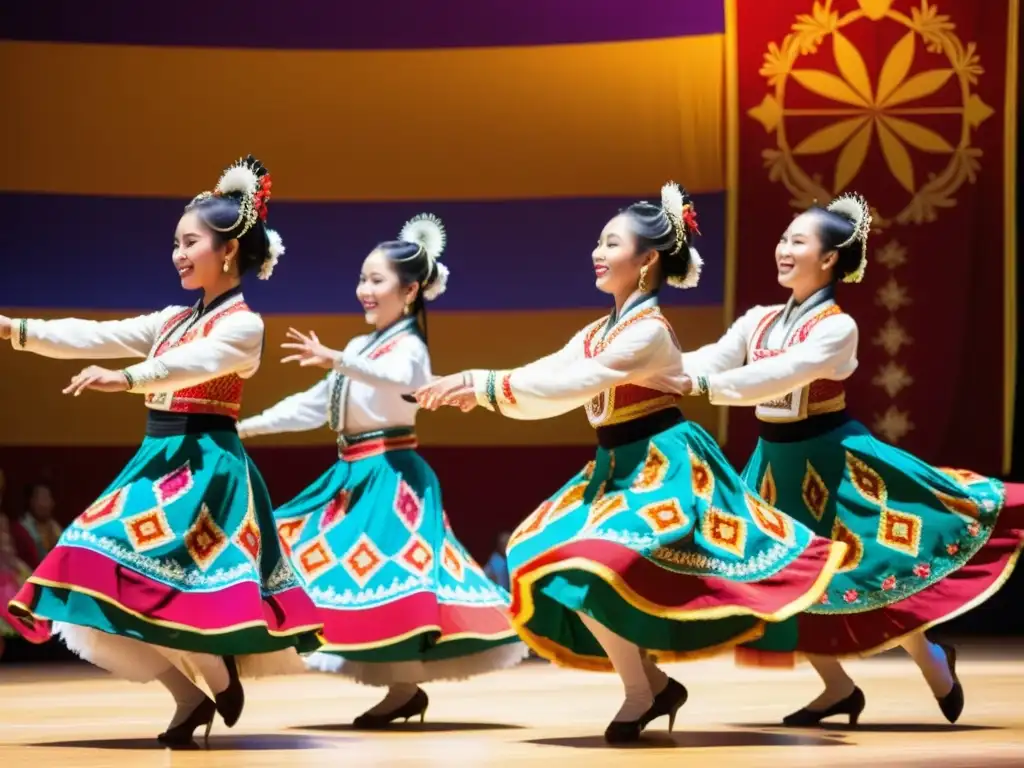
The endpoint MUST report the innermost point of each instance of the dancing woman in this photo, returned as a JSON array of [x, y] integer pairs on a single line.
[[656, 548], [924, 544], [176, 569], [401, 600]]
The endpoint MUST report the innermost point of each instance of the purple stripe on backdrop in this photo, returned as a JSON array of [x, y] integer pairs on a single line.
[[384, 24], [114, 253]]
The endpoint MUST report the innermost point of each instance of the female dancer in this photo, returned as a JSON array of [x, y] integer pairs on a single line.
[[401, 600], [924, 545], [13, 573], [177, 564], [655, 544]]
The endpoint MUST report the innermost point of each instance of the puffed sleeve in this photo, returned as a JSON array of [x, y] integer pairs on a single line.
[[74, 339], [234, 345], [830, 352], [570, 380], [297, 413], [404, 367], [728, 352]]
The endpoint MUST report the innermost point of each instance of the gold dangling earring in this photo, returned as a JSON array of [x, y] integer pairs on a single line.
[[407, 310], [642, 285], [227, 266]]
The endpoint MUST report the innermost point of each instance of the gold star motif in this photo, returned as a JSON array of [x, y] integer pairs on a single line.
[[892, 255], [892, 337], [894, 424], [892, 296], [893, 378]]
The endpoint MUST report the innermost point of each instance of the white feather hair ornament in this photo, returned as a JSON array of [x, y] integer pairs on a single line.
[[238, 178], [276, 250], [673, 202], [427, 230], [854, 207], [692, 276]]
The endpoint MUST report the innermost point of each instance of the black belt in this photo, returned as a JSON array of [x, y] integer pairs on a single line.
[[806, 429], [165, 424], [636, 430]]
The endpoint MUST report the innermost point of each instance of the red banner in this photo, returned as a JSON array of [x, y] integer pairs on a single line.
[[912, 103]]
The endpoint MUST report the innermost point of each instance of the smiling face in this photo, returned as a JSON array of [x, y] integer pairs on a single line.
[[802, 266], [197, 258], [616, 261], [381, 292]]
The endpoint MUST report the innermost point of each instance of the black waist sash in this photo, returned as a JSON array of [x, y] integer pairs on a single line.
[[636, 430], [165, 424], [806, 429]]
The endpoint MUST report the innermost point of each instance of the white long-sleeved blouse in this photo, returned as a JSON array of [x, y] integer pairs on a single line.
[[789, 361], [363, 392], [195, 358], [620, 368]]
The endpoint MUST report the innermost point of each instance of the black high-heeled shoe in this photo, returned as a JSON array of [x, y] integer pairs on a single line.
[[668, 702], [182, 736], [952, 704], [851, 706], [623, 731], [231, 700], [417, 705]]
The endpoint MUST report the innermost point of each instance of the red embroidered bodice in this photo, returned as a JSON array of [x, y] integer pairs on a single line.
[[627, 401], [221, 396], [823, 395]]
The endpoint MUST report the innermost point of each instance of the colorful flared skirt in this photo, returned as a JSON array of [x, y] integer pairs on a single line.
[[923, 544], [400, 598], [12, 576], [179, 552], [660, 541]]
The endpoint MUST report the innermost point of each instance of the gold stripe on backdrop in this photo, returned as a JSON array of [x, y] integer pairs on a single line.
[[485, 123]]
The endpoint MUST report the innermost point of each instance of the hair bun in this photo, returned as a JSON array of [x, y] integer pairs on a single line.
[[855, 209], [427, 231]]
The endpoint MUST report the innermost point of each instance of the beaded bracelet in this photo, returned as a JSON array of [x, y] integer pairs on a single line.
[[492, 396]]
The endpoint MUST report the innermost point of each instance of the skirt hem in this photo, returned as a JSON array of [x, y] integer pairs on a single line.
[[380, 674]]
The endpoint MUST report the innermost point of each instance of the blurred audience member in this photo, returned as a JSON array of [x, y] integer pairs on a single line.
[[38, 524], [496, 568], [13, 571]]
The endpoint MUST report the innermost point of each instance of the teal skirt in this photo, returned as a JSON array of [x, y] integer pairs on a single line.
[[923, 544], [660, 541], [180, 552], [400, 599]]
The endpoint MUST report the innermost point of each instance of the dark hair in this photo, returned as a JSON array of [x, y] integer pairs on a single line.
[[413, 267], [220, 213], [654, 230], [30, 490], [834, 229]]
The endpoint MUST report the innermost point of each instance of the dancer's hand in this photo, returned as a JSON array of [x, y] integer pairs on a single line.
[[5, 328], [99, 379], [308, 350], [455, 390], [687, 386]]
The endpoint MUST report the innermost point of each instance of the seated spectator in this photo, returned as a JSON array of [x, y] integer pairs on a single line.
[[38, 524], [13, 573], [496, 568]]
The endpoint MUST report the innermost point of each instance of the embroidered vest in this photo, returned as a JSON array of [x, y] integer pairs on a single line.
[[221, 396], [374, 349], [626, 402], [818, 397]]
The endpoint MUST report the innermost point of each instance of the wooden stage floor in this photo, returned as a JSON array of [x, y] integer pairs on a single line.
[[75, 717]]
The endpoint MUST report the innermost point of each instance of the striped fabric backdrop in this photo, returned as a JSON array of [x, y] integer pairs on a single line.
[[525, 125]]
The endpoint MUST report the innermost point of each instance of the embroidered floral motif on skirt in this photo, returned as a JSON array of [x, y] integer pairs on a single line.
[[178, 552], [660, 541], [924, 544], [400, 598]]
